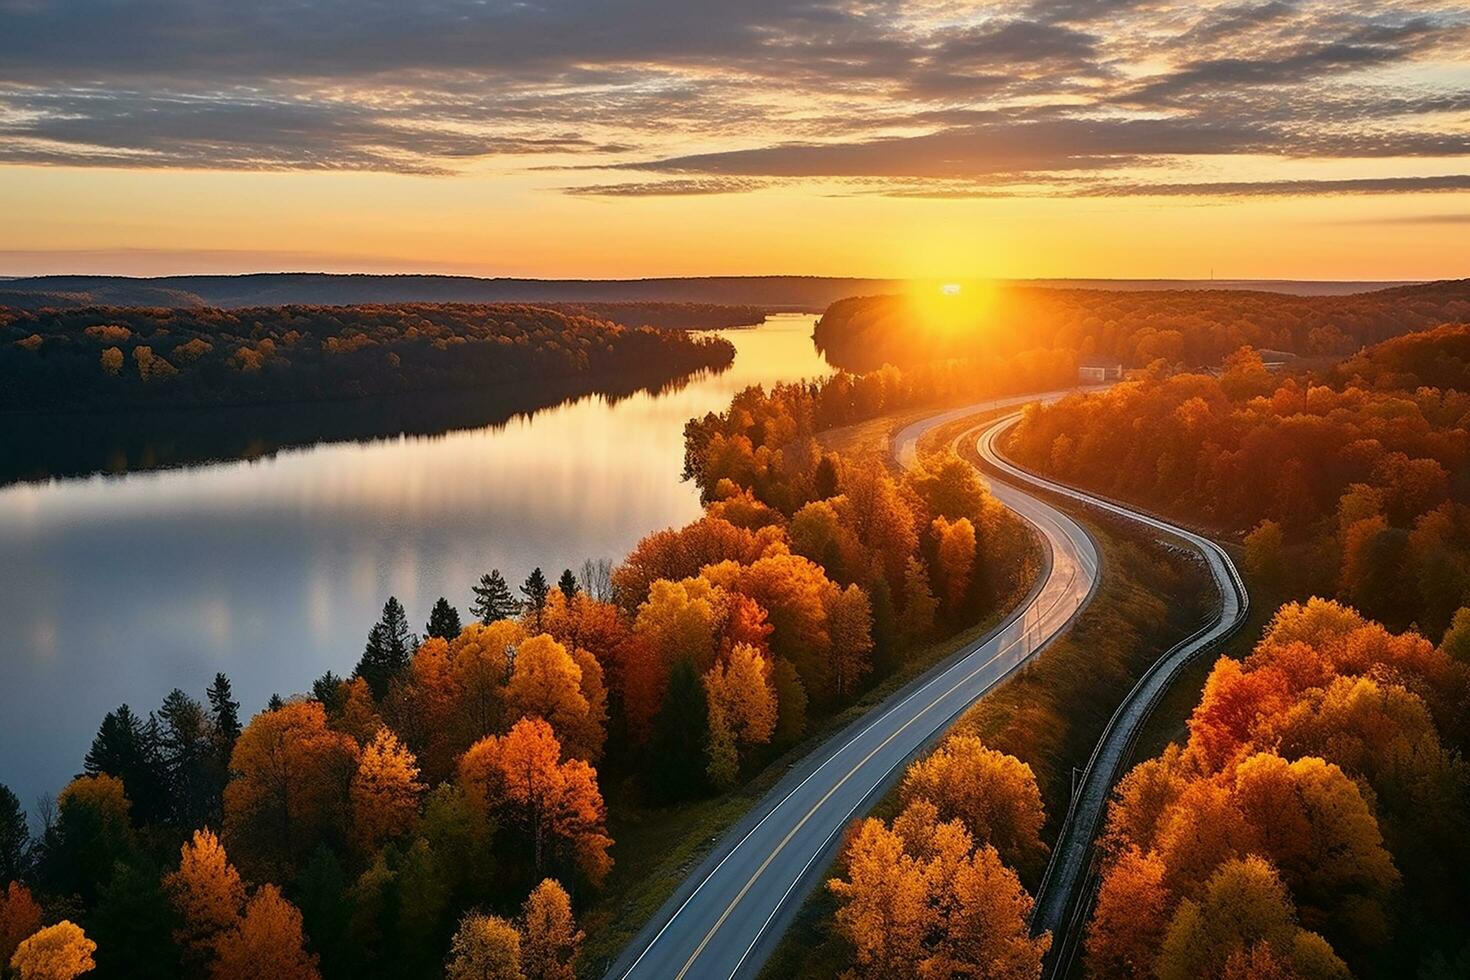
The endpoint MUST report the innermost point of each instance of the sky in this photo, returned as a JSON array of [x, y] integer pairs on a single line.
[[1321, 139]]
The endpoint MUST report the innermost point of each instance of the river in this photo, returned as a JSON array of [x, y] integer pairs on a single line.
[[117, 589]]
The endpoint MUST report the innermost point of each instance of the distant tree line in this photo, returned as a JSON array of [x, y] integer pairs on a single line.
[[106, 358], [667, 316], [1193, 328]]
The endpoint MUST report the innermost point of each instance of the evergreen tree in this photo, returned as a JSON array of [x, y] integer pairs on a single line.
[[567, 583], [328, 690], [536, 592], [493, 598], [680, 734], [186, 744], [275, 703], [127, 747], [15, 838], [321, 894], [224, 718], [389, 646], [133, 923], [443, 621]]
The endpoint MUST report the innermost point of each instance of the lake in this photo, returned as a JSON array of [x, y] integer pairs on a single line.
[[117, 589]]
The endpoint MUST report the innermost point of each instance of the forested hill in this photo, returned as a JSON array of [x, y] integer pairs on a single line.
[[810, 293], [114, 357], [1438, 358], [1190, 327]]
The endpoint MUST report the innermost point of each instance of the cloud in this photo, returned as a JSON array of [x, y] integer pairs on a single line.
[[692, 187], [1282, 188], [1448, 218], [1087, 186], [724, 98]]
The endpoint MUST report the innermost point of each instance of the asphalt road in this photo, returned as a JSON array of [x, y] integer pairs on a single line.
[[727, 916]]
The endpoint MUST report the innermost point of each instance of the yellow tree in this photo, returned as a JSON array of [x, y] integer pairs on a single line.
[[679, 619], [742, 708], [1317, 829], [919, 605], [884, 902], [57, 952], [479, 663], [922, 900], [987, 921], [207, 893], [1140, 801], [358, 716], [954, 555], [1244, 905], [291, 786], [850, 626], [385, 791], [552, 941], [995, 795], [267, 943], [485, 947], [880, 519], [546, 682]]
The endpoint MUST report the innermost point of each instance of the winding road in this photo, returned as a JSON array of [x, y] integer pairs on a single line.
[[728, 915]]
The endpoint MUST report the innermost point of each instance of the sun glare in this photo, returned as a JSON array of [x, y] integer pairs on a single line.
[[950, 289]]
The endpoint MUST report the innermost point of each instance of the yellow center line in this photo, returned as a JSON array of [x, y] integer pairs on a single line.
[[750, 883]]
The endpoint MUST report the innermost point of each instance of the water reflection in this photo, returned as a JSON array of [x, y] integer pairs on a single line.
[[116, 589]]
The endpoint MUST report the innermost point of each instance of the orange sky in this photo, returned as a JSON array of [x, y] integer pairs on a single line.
[[1323, 139]]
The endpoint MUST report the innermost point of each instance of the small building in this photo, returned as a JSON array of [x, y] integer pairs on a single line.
[[1276, 361], [1099, 370]]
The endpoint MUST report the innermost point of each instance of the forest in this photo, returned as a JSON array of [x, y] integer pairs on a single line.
[[667, 316], [1195, 328], [1365, 497], [1313, 822], [97, 359], [445, 806]]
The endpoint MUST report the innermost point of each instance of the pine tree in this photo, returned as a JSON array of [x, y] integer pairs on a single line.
[[321, 892], [186, 745], [224, 718], [328, 690], [567, 583], [493, 599], [131, 924], [15, 838], [536, 592], [389, 645], [443, 621], [680, 736], [127, 747]]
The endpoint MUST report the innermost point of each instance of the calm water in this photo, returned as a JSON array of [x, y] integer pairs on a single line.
[[117, 589]]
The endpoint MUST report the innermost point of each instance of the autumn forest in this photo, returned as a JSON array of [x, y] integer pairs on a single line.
[[510, 780]]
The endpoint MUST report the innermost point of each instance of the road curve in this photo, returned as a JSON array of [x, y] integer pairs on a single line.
[[1064, 898], [727, 916]]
